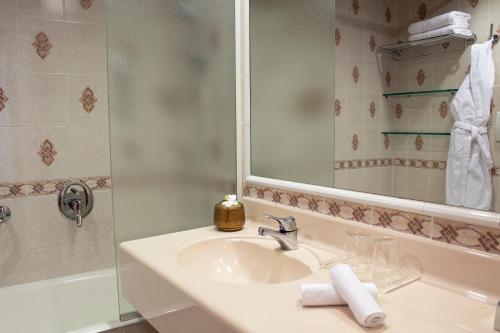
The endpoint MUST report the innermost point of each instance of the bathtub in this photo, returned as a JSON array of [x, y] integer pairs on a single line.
[[86, 302]]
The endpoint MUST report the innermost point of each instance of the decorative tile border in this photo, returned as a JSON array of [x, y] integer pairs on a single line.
[[398, 162], [416, 163], [359, 164], [452, 232], [48, 187]]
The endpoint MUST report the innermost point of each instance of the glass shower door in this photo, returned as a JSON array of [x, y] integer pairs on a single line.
[[171, 74]]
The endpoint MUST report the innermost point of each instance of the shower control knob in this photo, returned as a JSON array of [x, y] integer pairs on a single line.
[[76, 201], [4, 214]]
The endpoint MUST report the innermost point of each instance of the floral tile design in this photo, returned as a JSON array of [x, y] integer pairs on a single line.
[[47, 152], [338, 37], [88, 100], [445, 45], [338, 107], [470, 236], [421, 77], [372, 109], [387, 142], [398, 111], [42, 45], [452, 232], [355, 74], [3, 99], [388, 79], [443, 109], [86, 4], [355, 142], [419, 142]]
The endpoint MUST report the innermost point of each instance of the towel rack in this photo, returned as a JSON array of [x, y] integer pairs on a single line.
[[397, 50]]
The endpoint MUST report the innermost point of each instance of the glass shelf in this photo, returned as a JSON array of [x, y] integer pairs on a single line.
[[397, 50], [421, 92], [415, 133]]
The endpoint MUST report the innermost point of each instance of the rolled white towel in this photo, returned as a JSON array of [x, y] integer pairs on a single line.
[[365, 308], [452, 29], [451, 18], [325, 294]]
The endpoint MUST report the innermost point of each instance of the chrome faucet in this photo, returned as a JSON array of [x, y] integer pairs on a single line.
[[496, 324], [287, 233]]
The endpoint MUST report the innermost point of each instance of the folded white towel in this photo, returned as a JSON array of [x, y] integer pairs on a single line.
[[440, 21], [325, 294], [362, 304], [451, 29]]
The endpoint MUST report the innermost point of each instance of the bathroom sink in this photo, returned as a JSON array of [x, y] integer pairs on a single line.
[[243, 261]]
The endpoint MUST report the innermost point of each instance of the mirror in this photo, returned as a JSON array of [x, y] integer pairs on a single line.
[[330, 107]]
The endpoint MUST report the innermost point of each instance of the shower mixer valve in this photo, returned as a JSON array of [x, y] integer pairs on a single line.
[[75, 201]]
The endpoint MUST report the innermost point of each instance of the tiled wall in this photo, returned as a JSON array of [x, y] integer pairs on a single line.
[[363, 155], [456, 233], [404, 166], [53, 126]]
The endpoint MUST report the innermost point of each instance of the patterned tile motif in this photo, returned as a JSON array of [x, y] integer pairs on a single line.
[[421, 77], [372, 109], [414, 224], [355, 142], [355, 7], [398, 111], [3, 99], [372, 43], [388, 14], [86, 4], [355, 74], [42, 45], [47, 187], [474, 3], [387, 142], [338, 107], [47, 152], [445, 45], [422, 11], [388, 79], [443, 109], [465, 235], [416, 163], [360, 164], [452, 232], [419, 142], [88, 100], [338, 37]]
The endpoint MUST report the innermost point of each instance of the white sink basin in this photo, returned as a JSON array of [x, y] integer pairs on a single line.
[[243, 261]]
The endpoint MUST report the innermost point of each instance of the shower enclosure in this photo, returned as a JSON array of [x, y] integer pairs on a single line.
[[137, 99]]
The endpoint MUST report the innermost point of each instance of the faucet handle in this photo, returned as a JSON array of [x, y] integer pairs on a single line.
[[287, 223]]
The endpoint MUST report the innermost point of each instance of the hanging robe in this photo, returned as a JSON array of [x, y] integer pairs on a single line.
[[468, 170]]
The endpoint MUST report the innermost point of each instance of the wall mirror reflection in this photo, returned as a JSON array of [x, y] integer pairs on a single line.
[[375, 96]]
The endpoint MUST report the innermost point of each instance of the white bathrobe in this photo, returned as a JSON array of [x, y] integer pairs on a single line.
[[468, 171]]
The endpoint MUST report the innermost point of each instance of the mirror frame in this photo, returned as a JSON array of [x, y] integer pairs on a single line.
[[243, 109]]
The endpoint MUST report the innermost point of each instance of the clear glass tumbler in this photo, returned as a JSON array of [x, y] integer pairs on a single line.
[[386, 261], [358, 249]]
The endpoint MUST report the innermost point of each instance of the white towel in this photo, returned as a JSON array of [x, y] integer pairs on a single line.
[[325, 294], [362, 304], [452, 29], [440, 21]]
